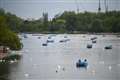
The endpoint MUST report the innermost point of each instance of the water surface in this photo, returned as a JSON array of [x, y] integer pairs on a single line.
[[41, 62]]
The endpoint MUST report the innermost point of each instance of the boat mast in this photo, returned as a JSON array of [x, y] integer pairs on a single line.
[[106, 6], [77, 6], [99, 8]]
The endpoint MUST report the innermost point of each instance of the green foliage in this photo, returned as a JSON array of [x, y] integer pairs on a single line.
[[2, 12], [67, 22], [96, 26], [91, 22], [57, 26], [13, 22], [7, 37], [12, 57]]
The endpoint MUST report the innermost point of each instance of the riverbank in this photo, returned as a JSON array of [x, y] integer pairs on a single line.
[[91, 33], [11, 56]]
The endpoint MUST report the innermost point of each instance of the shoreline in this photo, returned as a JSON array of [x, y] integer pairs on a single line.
[[89, 33]]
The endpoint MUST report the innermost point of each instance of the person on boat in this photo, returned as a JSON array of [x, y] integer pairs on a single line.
[[85, 60], [79, 60]]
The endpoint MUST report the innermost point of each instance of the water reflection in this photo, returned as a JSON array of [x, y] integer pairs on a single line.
[[4, 71]]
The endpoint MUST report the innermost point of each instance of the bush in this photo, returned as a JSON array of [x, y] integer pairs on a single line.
[[7, 37]]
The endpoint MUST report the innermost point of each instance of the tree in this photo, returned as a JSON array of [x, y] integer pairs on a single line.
[[58, 26], [2, 12], [68, 22], [13, 22], [116, 25], [96, 26], [7, 37]]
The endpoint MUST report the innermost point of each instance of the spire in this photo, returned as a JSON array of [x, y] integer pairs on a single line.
[[77, 6]]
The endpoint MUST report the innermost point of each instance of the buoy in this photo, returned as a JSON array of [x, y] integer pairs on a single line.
[[56, 71], [63, 69], [26, 75], [110, 67], [59, 66]]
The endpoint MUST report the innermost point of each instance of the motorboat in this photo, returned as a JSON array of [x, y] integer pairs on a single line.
[[44, 44], [89, 45], [93, 38], [108, 47], [64, 40], [94, 41], [50, 41]]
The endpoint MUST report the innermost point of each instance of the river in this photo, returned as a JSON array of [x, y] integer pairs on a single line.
[[41, 62]]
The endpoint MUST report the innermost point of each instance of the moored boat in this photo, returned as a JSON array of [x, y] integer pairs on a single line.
[[44, 44], [108, 47], [50, 41], [89, 46]]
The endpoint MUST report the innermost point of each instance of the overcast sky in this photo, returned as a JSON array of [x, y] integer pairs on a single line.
[[34, 8]]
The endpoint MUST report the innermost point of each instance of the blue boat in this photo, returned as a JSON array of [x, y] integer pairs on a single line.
[[82, 64]]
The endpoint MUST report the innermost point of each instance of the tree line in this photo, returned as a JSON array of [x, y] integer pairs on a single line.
[[67, 22]]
